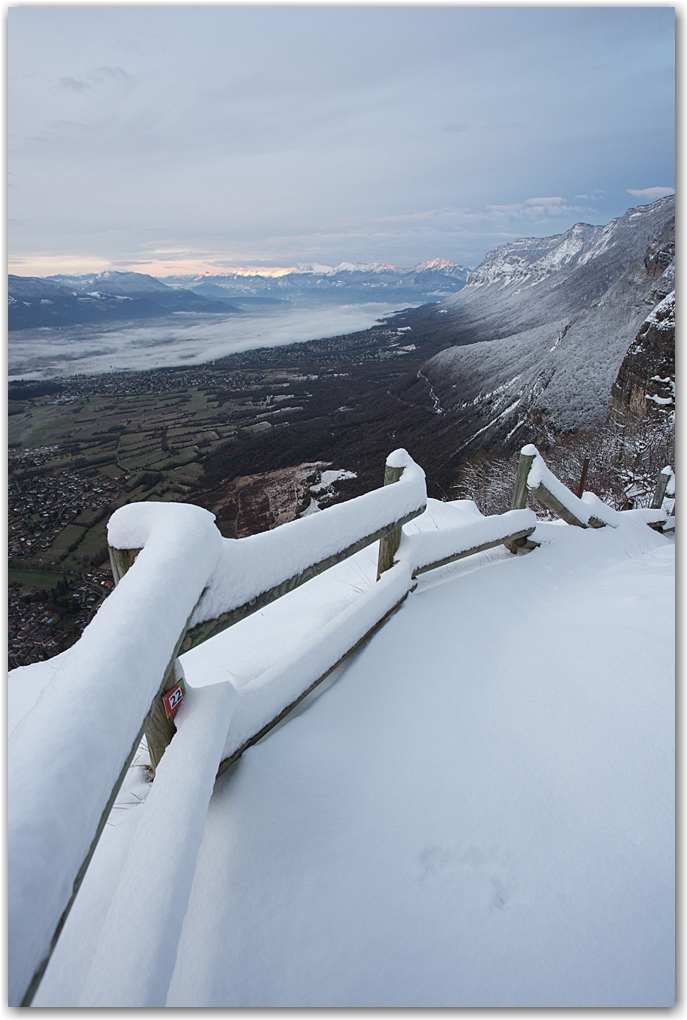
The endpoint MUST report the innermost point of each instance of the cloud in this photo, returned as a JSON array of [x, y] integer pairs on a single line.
[[77, 84], [547, 202], [651, 193], [536, 208], [248, 132], [596, 195], [47, 265], [460, 233], [96, 76]]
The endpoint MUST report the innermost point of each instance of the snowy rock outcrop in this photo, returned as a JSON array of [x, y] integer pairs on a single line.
[[543, 325], [645, 383]]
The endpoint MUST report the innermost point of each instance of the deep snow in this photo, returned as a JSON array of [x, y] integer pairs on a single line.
[[478, 811], [66, 754]]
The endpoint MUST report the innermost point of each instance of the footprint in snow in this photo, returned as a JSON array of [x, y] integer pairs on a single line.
[[473, 862]]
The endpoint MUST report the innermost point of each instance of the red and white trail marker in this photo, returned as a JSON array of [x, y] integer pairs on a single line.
[[172, 699]]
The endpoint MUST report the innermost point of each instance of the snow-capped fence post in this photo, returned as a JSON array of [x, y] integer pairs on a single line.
[[388, 545], [68, 756], [550, 491], [661, 486], [160, 729], [519, 500]]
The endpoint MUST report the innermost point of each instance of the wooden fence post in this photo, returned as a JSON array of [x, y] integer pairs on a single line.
[[660, 491], [388, 544], [121, 560], [519, 500], [160, 729], [583, 478]]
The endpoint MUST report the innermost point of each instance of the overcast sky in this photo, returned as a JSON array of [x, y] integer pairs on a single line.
[[179, 139]]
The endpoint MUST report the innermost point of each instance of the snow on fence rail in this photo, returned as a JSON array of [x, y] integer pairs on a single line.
[[587, 511], [68, 757]]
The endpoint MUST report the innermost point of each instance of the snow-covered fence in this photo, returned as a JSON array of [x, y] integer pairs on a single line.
[[254, 571], [264, 702], [665, 486], [180, 583], [588, 511], [270, 697], [69, 755]]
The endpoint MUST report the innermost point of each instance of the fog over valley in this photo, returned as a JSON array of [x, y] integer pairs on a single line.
[[185, 339]]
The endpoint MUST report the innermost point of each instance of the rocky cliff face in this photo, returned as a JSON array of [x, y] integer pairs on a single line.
[[645, 384], [250, 504], [543, 325], [660, 256]]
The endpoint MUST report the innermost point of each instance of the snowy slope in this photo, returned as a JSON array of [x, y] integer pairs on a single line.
[[525, 282], [478, 811], [543, 325]]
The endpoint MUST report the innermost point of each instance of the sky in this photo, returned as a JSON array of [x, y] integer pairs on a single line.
[[175, 140]]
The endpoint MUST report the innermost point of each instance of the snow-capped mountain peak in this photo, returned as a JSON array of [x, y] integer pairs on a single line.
[[531, 260], [544, 325], [420, 267]]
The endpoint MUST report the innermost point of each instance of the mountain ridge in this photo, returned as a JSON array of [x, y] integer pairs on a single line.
[[542, 326], [35, 301], [64, 300], [426, 282]]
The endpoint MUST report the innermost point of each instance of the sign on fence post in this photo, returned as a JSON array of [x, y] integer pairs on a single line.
[[161, 727], [172, 700]]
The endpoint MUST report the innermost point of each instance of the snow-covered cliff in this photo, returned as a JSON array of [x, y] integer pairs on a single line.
[[543, 325]]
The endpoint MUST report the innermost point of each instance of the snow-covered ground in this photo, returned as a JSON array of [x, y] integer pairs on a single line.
[[476, 811]]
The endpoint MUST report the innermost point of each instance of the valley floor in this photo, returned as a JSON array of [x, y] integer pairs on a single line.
[[478, 811]]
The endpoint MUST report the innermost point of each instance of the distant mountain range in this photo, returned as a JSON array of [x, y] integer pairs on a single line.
[[97, 298], [543, 324], [105, 297], [347, 282]]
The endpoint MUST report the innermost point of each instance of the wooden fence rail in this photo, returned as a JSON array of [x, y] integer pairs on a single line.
[[43, 890], [231, 580], [583, 510]]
